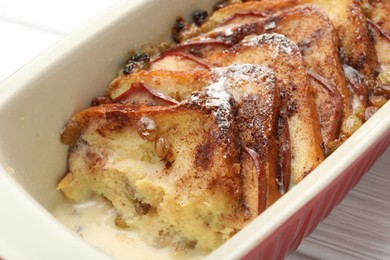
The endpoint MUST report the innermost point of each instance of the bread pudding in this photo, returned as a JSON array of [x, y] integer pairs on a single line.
[[192, 142]]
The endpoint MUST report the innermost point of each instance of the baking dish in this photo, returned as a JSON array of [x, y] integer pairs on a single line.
[[36, 102]]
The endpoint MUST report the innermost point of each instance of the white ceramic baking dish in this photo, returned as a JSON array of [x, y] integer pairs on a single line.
[[36, 102]]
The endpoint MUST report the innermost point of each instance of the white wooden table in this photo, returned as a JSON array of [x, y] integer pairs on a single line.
[[358, 228]]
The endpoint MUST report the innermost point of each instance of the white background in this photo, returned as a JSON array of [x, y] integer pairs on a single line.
[[358, 228]]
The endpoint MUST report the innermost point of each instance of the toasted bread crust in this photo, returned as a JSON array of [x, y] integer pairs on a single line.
[[356, 46], [283, 56], [310, 28], [257, 95], [346, 16]]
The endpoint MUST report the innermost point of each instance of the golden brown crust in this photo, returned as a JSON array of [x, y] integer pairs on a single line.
[[309, 27], [346, 16], [355, 44], [257, 95], [282, 56]]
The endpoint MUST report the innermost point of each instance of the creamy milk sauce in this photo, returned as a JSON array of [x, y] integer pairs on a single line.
[[94, 221]]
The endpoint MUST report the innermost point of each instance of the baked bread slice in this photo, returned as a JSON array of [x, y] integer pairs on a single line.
[[310, 28], [346, 16], [182, 172], [355, 45], [257, 96], [282, 56], [172, 172], [350, 23], [309, 140]]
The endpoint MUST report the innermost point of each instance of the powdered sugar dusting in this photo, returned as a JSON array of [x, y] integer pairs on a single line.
[[228, 32], [253, 86], [269, 26], [279, 42], [216, 98], [237, 74], [219, 100], [236, 81], [217, 95]]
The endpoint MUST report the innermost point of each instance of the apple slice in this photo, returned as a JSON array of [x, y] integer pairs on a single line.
[[329, 105], [233, 13], [238, 19], [283, 162], [254, 185], [173, 60], [140, 94], [175, 84]]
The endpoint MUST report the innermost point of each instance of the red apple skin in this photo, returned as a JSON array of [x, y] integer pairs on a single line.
[[260, 178], [140, 94], [179, 61]]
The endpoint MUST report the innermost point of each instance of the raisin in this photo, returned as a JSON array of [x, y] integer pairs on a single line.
[[200, 17], [128, 69], [137, 61], [138, 57], [177, 28], [100, 100], [142, 208], [163, 147], [147, 129]]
